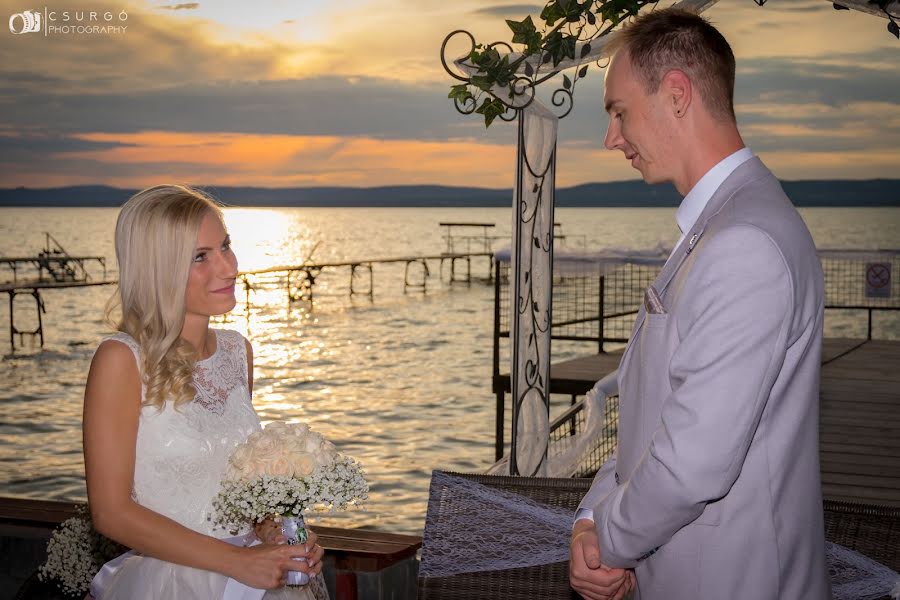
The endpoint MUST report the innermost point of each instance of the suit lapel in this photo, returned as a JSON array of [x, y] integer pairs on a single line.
[[716, 203]]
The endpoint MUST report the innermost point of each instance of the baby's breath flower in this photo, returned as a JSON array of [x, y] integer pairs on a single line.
[[75, 553]]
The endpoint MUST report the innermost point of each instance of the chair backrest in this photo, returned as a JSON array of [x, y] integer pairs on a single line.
[[546, 581]]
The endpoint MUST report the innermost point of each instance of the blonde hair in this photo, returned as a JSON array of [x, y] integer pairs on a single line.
[[156, 234]]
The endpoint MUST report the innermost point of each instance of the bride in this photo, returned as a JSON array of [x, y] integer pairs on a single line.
[[167, 400]]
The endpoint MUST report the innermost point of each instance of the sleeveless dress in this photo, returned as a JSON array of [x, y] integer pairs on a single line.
[[180, 457]]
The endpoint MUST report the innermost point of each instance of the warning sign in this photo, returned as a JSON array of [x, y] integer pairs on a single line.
[[878, 280]]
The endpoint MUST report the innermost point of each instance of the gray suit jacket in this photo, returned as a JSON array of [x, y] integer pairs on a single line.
[[714, 491]]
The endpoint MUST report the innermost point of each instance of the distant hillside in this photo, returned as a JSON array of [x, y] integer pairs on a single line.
[[872, 192]]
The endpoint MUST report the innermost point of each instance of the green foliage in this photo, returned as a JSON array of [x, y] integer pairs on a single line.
[[565, 24], [491, 108]]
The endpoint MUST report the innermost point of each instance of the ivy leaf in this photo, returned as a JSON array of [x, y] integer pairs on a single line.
[[522, 30], [533, 45], [460, 92], [567, 83], [529, 70], [591, 18], [582, 72], [893, 28], [552, 13], [483, 82], [837, 6], [491, 109], [585, 50], [561, 46]]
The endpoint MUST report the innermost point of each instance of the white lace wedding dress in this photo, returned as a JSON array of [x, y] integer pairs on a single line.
[[180, 458]]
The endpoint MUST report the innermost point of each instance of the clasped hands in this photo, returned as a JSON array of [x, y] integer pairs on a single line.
[[587, 574]]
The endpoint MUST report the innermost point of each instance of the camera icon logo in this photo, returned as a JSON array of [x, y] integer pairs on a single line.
[[28, 21]]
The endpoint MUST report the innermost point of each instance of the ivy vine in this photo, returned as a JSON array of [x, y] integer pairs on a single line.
[[501, 85]]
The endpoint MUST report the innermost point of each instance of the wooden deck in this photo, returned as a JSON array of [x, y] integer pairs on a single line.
[[860, 424], [859, 416]]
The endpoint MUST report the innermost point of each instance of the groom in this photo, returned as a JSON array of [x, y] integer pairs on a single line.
[[714, 490]]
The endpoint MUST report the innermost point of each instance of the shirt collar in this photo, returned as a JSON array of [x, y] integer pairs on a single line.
[[696, 200]]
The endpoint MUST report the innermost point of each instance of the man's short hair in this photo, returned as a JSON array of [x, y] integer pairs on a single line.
[[670, 38]]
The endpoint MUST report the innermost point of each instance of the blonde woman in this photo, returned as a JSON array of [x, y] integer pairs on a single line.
[[167, 400]]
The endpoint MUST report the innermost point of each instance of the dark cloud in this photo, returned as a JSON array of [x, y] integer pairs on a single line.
[[509, 11], [184, 6], [32, 146], [859, 78], [317, 106]]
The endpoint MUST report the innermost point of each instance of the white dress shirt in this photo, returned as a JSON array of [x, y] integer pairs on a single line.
[[689, 211]]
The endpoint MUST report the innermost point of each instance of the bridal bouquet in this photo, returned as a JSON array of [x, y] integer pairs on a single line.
[[75, 553], [282, 471]]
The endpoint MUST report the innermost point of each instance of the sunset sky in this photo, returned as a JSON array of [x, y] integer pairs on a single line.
[[312, 92]]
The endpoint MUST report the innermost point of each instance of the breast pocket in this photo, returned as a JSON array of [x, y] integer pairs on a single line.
[[712, 514]]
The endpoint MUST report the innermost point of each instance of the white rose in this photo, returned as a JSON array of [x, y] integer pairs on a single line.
[[300, 429], [313, 441], [240, 456], [275, 425], [279, 467], [264, 448], [251, 469], [294, 446], [303, 465]]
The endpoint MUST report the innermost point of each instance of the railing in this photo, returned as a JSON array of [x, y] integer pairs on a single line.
[[598, 303]]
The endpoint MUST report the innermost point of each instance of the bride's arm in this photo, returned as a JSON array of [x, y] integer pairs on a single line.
[[112, 405]]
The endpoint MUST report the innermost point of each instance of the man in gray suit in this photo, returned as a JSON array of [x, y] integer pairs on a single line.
[[714, 491]]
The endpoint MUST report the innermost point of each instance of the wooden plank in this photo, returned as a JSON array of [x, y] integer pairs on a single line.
[[857, 468], [834, 347], [352, 549], [854, 447], [860, 494], [868, 481], [860, 423]]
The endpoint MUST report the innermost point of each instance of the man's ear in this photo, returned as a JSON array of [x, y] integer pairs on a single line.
[[678, 91]]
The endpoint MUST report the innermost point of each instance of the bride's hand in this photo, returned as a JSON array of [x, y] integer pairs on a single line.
[[269, 532], [314, 556], [265, 566]]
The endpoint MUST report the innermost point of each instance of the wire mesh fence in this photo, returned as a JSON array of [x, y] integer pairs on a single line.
[[599, 303]]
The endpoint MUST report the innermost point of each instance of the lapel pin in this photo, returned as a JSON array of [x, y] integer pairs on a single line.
[[692, 242]]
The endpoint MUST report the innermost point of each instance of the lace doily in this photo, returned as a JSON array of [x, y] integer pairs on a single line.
[[471, 527]]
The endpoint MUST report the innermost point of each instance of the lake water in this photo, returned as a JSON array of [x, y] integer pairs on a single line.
[[402, 382]]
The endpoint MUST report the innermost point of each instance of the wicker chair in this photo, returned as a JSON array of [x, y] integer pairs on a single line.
[[870, 530], [546, 581]]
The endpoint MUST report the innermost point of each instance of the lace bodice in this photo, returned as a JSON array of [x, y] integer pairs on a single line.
[[181, 454]]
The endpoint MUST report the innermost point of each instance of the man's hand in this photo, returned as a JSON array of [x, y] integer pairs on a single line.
[[587, 574]]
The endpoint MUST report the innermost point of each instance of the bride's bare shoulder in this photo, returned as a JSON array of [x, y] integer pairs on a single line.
[[115, 362]]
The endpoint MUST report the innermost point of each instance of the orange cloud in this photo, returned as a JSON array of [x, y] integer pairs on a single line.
[[277, 161]]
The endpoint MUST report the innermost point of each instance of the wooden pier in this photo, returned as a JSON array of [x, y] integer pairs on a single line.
[[56, 269], [859, 418], [299, 280]]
